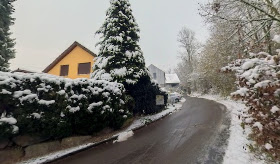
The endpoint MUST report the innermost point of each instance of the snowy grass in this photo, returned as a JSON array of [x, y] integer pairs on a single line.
[[237, 151], [123, 136]]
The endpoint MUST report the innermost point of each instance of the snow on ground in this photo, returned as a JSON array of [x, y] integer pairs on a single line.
[[237, 151], [123, 136], [56, 155]]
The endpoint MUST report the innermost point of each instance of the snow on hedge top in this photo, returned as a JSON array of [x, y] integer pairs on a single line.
[[274, 109], [9, 120], [12, 79], [172, 79]]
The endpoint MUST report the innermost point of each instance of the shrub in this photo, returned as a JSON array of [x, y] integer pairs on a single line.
[[258, 80], [144, 93], [56, 107]]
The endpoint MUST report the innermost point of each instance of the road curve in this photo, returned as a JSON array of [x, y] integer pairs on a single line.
[[196, 134]]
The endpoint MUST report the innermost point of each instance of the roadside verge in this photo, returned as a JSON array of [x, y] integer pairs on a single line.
[[137, 124]]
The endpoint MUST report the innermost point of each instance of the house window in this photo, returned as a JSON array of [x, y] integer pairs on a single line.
[[64, 70], [84, 68], [155, 75]]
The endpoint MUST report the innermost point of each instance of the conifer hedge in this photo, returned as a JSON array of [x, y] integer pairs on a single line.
[[55, 107]]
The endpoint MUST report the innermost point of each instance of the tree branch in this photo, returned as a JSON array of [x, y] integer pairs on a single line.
[[261, 10]]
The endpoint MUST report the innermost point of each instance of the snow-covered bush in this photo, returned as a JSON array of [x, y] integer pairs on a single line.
[[56, 107], [258, 80]]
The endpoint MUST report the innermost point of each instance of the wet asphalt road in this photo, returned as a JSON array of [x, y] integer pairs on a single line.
[[196, 134]]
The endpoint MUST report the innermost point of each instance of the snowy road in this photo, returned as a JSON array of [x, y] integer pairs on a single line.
[[196, 134]]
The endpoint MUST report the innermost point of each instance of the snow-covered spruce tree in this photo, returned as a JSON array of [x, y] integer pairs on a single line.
[[121, 59], [7, 51], [120, 56]]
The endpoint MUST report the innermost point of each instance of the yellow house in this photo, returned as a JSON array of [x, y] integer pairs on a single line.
[[75, 62]]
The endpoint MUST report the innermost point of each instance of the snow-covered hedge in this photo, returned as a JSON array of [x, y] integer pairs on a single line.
[[258, 80], [56, 107]]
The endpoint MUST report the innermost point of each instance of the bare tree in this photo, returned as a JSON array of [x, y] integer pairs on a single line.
[[251, 22], [188, 43], [237, 28], [188, 50]]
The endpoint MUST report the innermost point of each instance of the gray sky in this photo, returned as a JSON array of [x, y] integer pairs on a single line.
[[45, 28]]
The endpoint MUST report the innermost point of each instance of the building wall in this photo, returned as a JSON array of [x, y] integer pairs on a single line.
[[175, 85], [76, 56], [159, 73]]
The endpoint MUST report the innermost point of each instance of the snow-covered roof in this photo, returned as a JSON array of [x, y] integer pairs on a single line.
[[172, 79]]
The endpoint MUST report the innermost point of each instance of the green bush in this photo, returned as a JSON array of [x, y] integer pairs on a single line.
[[56, 107], [144, 94]]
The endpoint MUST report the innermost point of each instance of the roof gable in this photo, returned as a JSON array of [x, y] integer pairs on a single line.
[[153, 66], [65, 53]]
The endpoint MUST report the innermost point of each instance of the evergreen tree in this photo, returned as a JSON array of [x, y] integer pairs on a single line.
[[120, 58], [7, 44]]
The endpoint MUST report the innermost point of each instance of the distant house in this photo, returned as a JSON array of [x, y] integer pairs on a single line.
[[22, 71], [172, 81], [157, 74], [75, 62], [163, 79]]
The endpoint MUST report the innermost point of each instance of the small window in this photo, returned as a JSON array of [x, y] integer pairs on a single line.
[[155, 76], [84, 68], [64, 69]]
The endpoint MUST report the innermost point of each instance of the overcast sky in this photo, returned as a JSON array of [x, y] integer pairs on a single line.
[[45, 28]]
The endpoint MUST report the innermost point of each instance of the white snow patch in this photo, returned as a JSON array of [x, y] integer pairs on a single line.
[[258, 125], [15, 129], [268, 146], [124, 136], [55, 155], [9, 120], [120, 72], [241, 92], [274, 109], [36, 115], [276, 38], [61, 92], [46, 102], [4, 91], [74, 109], [247, 65], [262, 84]]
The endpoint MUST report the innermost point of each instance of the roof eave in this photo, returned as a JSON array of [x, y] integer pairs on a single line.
[[65, 53]]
